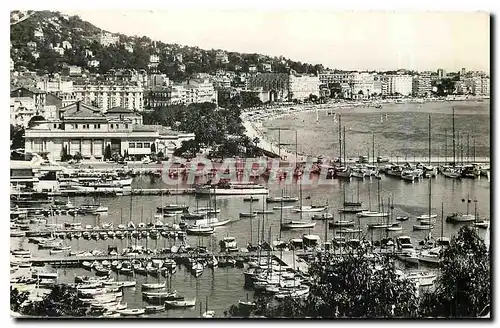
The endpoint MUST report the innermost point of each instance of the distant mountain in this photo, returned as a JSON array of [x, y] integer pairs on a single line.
[[37, 36]]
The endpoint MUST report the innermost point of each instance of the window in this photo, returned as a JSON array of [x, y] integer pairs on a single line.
[[76, 126], [131, 145], [138, 145], [55, 126], [126, 126], [95, 126], [98, 126], [111, 126], [146, 145]]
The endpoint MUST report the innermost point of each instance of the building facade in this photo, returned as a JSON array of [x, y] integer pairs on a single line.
[[105, 95], [86, 130], [399, 84], [422, 85], [107, 39]]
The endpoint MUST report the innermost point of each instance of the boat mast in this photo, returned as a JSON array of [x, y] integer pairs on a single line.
[[430, 185], [378, 194], [369, 198], [429, 140], [340, 139], [344, 144], [468, 154], [453, 124], [373, 148], [442, 220], [445, 147], [251, 227], [474, 152], [281, 212]]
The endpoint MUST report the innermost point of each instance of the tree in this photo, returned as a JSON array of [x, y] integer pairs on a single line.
[[17, 299], [16, 136], [463, 289], [77, 157], [350, 285], [62, 301]]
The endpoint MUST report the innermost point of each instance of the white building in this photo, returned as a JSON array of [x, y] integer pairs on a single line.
[[401, 84], [56, 86], [422, 85], [105, 95], [38, 34], [301, 86], [86, 130], [362, 85], [267, 67], [107, 39], [59, 50], [221, 57], [94, 63], [200, 91], [66, 45], [22, 110], [154, 59]]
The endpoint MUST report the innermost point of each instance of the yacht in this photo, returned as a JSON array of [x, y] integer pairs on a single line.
[[372, 214], [232, 188], [298, 225], [211, 222], [280, 199], [406, 251], [311, 208]]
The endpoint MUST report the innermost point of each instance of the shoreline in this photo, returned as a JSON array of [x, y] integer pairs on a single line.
[[252, 118]]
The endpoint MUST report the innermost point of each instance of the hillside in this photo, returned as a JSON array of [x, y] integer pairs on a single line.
[[47, 28]]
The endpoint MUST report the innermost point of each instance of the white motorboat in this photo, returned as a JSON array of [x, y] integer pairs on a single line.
[[284, 207], [423, 227], [324, 216], [208, 314], [308, 208], [180, 302], [459, 218], [298, 225], [426, 216], [153, 285], [395, 227], [101, 209], [430, 255], [379, 225], [200, 230], [481, 224], [21, 252], [124, 283], [406, 251], [211, 222], [131, 312], [17, 233], [342, 223], [372, 214]]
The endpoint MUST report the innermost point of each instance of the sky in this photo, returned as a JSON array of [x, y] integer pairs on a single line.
[[344, 40]]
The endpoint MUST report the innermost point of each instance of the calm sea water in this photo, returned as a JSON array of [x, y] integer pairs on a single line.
[[404, 131]]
